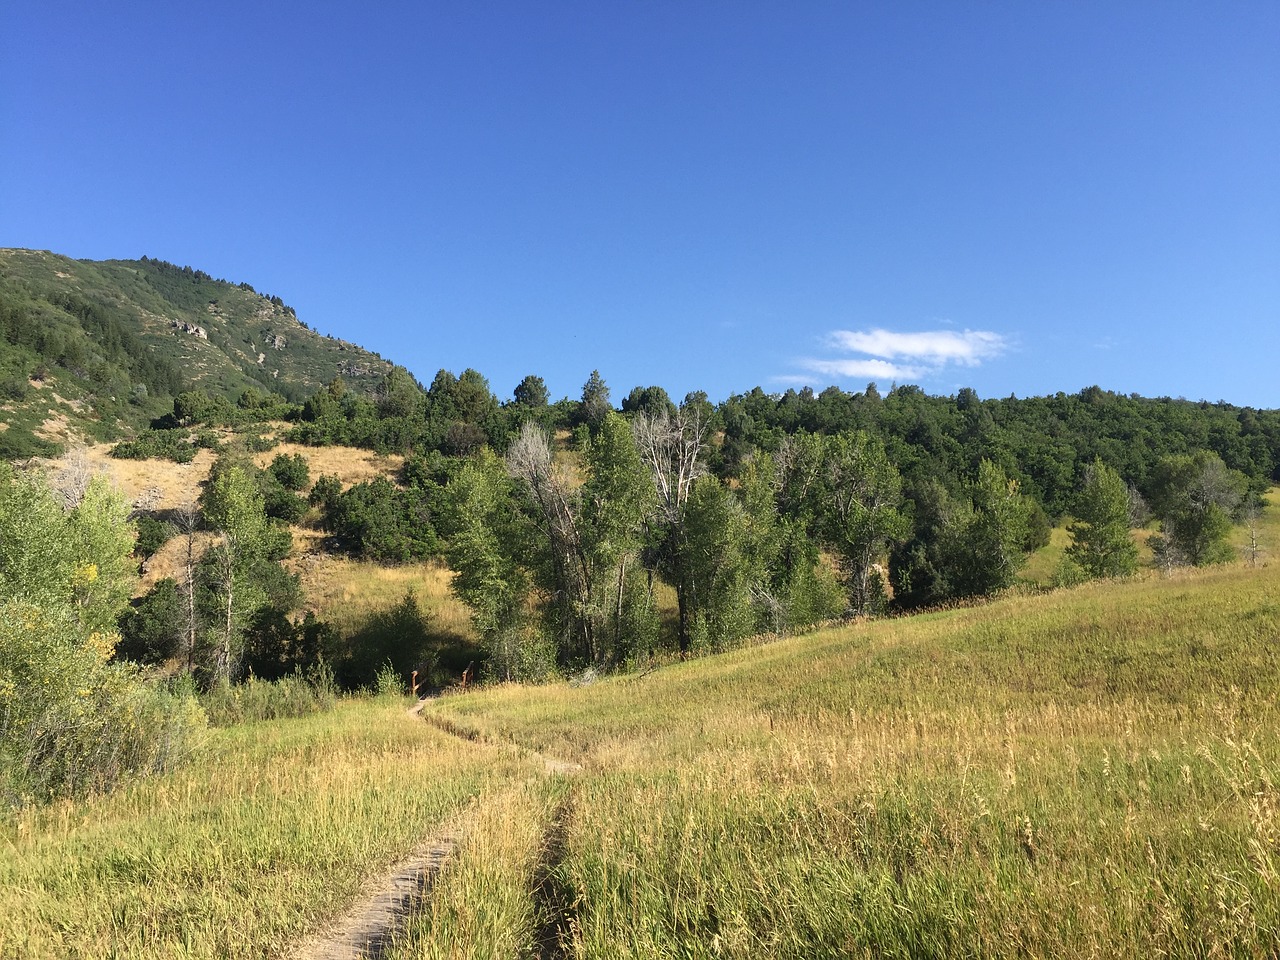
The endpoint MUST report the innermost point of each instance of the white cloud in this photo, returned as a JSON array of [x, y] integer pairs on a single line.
[[887, 355], [932, 347], [875, 369]]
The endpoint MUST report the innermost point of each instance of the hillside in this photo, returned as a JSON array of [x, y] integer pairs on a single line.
[[98, 347], [1089, 772]]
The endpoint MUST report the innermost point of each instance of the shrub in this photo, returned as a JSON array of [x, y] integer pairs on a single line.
[[260, 444], [172, 445], [292, 471], [152, 535], [379, 521], [398, 639], [150, 630], [255, 700]]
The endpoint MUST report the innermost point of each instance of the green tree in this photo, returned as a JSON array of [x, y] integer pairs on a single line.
[[531, 392], [70, 721], [293, 471], [484, 539], [616, 498], [1196, 496], [1101, 541], [987, 544], [595, 401], [234, 507], [717, 575], [653, 401], [863, 494]]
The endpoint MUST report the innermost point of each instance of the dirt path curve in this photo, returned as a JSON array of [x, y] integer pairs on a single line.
[[385, 907]]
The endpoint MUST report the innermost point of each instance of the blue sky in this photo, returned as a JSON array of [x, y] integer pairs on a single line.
[[1017, 197]]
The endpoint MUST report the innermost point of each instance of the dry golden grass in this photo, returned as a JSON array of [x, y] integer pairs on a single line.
[[273, 832], [1089, 772], [348, 464], [345, 592]]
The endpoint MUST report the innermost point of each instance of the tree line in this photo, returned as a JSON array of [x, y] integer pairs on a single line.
[[574, 527], [565, 522]]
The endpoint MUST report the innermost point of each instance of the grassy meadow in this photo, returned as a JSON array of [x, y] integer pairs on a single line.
[[1090, 772], [274, 830], [1085, 772]]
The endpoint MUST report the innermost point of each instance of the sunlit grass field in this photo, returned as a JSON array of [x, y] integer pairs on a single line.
[[1089, 772], [272, 831], [1086, 772]]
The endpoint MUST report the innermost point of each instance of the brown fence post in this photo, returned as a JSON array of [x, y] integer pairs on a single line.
[[414, 684]]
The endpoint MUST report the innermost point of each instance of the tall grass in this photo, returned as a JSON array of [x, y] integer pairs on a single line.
[[242, 854], [1090, 772], [488, 903]]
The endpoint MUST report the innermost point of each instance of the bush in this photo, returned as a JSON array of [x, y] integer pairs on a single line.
[[255, 700], [14, 388], [276, 647], [260, 444], [172, 445], [292, 471], [398, 639], [71, 722], [151, 629], [378, 521], [282, 505], [152, 535], [325, 493]]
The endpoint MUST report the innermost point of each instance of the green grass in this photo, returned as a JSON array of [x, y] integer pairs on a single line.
[[1088, 772], [244, 853]]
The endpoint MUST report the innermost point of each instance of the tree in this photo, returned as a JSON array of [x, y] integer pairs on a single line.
[[671, 448], [616, 498], [187, 518], [988, 548], [70, 721], [1101, 541], [1252, 514], [715, 570], [292, 471], [649, 400], [863, 497], [566, 569], [234, 507], [595, 401], [151, 630], [531, 392], [484, 538], [1195, 496]]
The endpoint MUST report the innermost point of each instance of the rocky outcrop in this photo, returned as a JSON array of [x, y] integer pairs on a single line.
[[190, 328]]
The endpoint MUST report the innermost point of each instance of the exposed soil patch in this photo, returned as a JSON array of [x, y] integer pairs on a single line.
[[373, 924]]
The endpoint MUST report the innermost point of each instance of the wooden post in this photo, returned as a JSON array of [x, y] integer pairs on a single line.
[[414, 684]]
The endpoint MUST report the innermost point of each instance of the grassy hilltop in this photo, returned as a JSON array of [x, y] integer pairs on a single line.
[[1087, 772]]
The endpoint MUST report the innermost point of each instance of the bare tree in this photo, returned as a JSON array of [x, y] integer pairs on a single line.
[[71, 479], [1253, 549], [530, 460], [187, 517], [671, 447]]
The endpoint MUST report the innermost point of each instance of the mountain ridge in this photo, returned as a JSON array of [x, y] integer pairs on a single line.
[[120, 338]]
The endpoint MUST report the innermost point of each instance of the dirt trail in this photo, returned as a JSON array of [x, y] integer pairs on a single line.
[[371, 926], [384, 910]]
